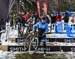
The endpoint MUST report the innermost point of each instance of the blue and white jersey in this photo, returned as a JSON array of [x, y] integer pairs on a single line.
[[41, 25]]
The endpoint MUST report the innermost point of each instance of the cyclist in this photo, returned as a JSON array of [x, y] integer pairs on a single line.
[[42, 26]]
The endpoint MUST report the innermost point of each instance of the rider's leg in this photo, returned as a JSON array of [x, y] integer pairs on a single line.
[[44, 43], [39, 40]]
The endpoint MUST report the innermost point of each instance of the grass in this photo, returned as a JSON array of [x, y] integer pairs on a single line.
[[40, 56]]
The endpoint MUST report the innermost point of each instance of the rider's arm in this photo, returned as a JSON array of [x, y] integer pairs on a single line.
[[34, 26]]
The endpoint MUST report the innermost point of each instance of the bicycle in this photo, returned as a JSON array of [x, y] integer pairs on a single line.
[[34, 43], [31, 41], [29, 35]]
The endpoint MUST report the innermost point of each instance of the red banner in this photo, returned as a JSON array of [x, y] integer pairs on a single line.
[[38, 7], [45, 7]]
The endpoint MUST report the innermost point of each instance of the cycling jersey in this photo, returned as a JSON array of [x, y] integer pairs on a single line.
[[41, 26]]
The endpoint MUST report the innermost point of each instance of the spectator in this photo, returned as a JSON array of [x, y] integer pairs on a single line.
[[25, 18], [53, 18], [66, 17], [58, 17]]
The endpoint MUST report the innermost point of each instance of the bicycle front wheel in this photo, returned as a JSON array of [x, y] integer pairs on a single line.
[[33, 44]]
